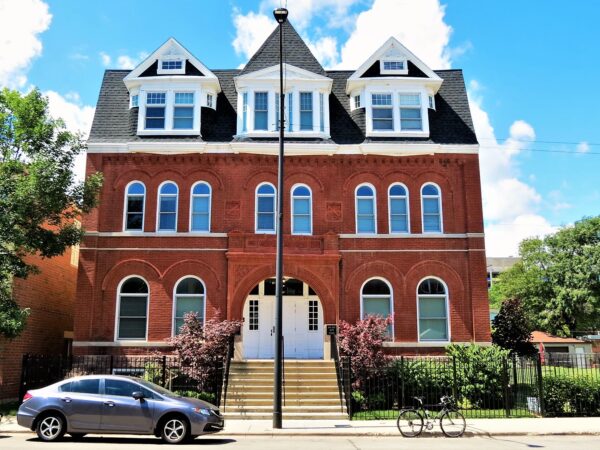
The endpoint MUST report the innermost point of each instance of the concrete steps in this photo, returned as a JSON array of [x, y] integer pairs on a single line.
[[310, 391]]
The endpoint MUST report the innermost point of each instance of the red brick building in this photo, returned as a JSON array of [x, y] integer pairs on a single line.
[[382, 201], [50, 295]]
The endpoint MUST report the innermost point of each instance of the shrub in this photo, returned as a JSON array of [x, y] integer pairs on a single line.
[[206, 396], [566, 395], [512, 329]]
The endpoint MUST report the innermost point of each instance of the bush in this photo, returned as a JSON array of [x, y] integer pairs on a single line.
[[206, 396], [571, 395]]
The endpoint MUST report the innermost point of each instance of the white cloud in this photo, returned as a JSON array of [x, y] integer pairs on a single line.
[[252, 30], [583, 147], [123, 61], [502, 239], [20, 24], [325, 50]]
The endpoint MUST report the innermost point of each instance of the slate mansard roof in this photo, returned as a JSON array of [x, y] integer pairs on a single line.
[[449, 123]]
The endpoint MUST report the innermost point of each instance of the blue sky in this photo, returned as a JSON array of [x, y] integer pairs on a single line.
[[530, 68]]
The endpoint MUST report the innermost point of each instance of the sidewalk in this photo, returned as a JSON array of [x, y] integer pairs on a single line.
[[475, 427]]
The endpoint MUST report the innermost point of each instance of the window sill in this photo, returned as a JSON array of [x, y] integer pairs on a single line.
[[288, 134], [264, 232], [393, 133], [164, 132]]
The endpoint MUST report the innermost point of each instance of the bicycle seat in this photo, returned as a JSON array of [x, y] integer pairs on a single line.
[[419, 399]]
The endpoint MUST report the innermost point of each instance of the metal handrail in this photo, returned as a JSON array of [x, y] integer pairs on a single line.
[[230, 351], [283, 368]]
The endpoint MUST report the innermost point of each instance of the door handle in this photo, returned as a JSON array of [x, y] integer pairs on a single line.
[[66, 399], [110, 404]]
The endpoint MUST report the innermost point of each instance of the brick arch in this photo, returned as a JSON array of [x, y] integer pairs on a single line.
[[130, 267], [132, 175], [363, 176], [191, 267], [397, 176], [319, 285], [300, 177], [258, 176], [208, 175], [171, 175], [372, 269]]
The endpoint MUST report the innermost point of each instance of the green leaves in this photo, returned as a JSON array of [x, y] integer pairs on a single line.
[[40, 201], [512, 329]]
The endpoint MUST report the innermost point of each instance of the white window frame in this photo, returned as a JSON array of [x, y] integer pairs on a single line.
[[174, 310], [356, 101], [391, 299], [384, 71], [192, 196], [134, 101], [155, 105], [210, 99], [180, 71], [118, 308], [158, 212], [254, 94], [407, 199], [310, 206], [419, 107], [125, 209], [184, 105], [356, 209], [439, 197], [390, 107], [256, 195], [447, 298], [431, 99]]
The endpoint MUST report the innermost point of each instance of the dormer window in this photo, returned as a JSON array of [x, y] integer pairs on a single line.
[[171, 66], [183, 111], [382, 111], [306, 111], [261, 111], [209, 100], [356, 101], [155, 110], [135, 101], [393, 67], [431, 102], [396, 114], [410, 112]]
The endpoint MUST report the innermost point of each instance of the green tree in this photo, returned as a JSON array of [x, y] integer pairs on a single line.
[[511, 329], [39, 198], [558, 279]]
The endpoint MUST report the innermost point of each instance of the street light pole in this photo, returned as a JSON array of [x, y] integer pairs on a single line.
[[280, 15]]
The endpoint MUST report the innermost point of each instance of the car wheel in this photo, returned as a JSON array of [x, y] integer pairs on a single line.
[[77, 436], [51, 427], [174, 430]]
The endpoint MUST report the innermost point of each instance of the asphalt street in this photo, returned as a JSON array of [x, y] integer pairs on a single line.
[[26, 441]]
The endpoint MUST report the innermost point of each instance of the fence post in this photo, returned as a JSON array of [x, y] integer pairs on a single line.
[[402, 373], [540, 383], [506, 387], [349, 380], [164, 371], [454, 380], [112, 364]]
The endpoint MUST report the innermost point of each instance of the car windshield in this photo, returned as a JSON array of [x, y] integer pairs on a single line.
[[155, 387]]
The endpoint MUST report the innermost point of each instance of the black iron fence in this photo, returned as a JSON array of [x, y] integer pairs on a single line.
[[167, 371], [548, 385]]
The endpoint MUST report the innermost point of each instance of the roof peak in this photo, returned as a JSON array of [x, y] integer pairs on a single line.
[[295, 52]]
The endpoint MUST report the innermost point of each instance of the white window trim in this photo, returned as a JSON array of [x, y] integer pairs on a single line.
[[406, 197], [431, 101], [131, 105], [396, 131], [125, 210], [174, 297], [158, 230], [161, 71], [419, 107], [391, 107], [269, 109], [118, 310], [192, 195], [439, 197], [447, 297], [184, 105], [310, 206], [169, 106], [393, 72], [360, 233], [391, 300], [256, 230]]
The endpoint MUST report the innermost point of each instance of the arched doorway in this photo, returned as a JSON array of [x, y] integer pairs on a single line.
[[302, 321]]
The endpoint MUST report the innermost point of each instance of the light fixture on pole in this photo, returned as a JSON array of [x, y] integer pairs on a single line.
[[280, 15]]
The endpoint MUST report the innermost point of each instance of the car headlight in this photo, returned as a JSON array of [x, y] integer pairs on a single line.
[[203, 411]]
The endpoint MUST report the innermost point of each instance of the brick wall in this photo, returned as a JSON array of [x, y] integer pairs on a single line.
[[50, 296]]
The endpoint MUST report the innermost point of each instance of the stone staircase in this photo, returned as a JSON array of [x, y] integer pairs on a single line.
[[310, 391]]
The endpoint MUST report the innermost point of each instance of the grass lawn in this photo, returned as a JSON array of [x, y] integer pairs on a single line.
[[9, 409], [389, 414]]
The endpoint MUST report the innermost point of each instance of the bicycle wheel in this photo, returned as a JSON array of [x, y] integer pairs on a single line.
[[410, 423], [453, 424]]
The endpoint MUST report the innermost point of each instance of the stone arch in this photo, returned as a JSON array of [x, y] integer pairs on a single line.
[[190, 267]]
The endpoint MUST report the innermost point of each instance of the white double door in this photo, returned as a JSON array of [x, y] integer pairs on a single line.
[[302, 328]]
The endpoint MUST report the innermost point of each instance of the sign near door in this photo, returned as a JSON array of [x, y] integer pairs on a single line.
[[331, 330]]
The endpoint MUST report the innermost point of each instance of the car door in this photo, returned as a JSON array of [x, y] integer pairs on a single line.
[[121, 412], [82, 403]]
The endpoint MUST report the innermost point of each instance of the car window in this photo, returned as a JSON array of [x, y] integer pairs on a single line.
[[123, 388], [91, 386]]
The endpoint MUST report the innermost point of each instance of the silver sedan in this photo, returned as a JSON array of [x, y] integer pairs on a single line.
[[115, 404]]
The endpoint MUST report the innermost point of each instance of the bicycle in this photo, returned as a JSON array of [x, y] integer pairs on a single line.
[[411, 420]]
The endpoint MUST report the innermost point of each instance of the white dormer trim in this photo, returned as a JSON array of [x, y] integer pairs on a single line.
[[391, 59]]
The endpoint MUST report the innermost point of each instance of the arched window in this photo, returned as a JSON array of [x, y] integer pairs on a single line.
[[201, 202], [301, 210], [398, 207], [432, 298], [366, 214], [189, 297], [431, 205], [167, 206], [265, 208], [376, 299], [132, 316], [135, 200]]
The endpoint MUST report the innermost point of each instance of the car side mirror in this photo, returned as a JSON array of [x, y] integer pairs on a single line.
[[138, 395]]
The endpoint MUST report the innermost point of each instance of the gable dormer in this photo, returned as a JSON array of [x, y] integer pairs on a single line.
[[396, 89], [169, 88]]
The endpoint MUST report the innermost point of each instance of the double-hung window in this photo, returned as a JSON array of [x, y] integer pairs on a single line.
[[365, 210], [383, 114], [376, 299], [189, 298], [432, 299], [306, 111], [134, 207], [167, 207], [155, 110], [322, 112], [133, 309], [431, 204], [265, 208], [410, 112], [301, 210], [398, 209], [183, 111], [200, 220], [245, 112], [261, 111]]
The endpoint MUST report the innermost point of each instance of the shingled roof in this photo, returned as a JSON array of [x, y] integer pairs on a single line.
[[296, 53]]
